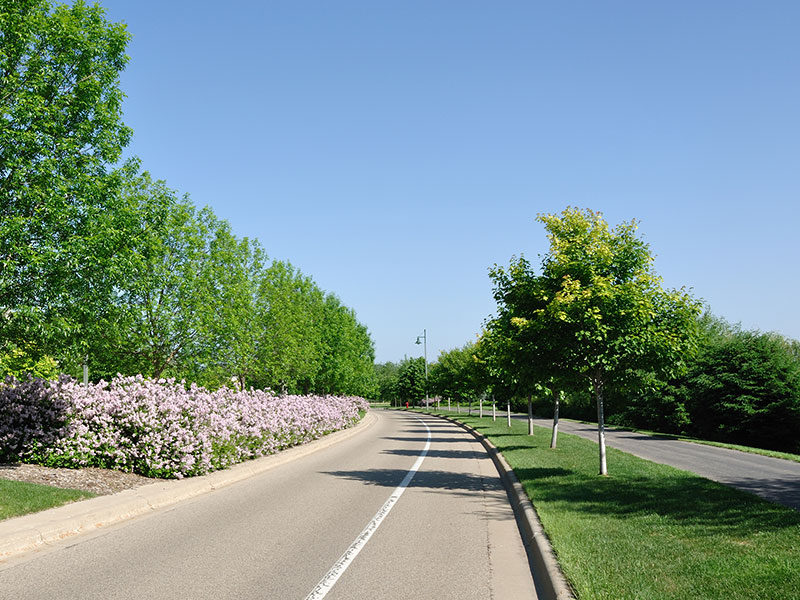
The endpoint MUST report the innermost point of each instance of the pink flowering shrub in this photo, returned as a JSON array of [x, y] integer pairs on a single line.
[[32, 416], [158, 428]]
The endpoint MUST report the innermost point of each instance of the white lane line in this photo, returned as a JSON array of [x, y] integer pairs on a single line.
[[340, 566]]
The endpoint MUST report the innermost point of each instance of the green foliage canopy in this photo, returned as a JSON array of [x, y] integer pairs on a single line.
[[606, 304], [458, 374], [411, 380], [741, 387], [60, 128], [386, 381]]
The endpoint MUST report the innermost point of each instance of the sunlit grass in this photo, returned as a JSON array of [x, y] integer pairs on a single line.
[[20, 498], [649, 530]]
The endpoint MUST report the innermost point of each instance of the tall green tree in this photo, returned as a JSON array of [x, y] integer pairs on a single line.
[[493, 352], [60, 130], [228, 316], [386, 375], [156, 326], [411, 380], [608, 306], [290, 317], [458, 374], [348, 353], [521, 342]]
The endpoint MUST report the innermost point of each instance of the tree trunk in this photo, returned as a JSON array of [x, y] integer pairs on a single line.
[[494, 410], [601, 431], [508, 412], [480, 408], [530, 415], [554, 437]]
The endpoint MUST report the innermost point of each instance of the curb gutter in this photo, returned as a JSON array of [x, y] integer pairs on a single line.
[[546, 570], [28, 532]]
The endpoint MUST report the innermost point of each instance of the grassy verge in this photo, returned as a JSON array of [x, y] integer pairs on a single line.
[[649, 531], [20, 498]]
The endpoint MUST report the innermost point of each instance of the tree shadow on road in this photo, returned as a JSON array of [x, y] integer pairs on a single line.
[[436, 453], [433, 480], [425, 439], [786, 491]]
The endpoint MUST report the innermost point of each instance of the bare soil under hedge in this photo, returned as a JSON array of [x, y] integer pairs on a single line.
[[90, 479]]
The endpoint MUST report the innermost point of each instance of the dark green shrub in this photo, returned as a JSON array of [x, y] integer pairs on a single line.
[[745, 388]]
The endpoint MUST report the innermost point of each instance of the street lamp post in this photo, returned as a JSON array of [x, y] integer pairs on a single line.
[[424, 343]]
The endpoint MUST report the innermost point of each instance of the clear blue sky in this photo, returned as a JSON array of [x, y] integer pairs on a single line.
[[394, 150]]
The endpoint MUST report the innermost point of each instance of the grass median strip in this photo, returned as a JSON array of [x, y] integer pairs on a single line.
[[649, 531], [20, 498]]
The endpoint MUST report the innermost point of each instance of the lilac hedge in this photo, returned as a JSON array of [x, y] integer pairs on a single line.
[[158, 428]]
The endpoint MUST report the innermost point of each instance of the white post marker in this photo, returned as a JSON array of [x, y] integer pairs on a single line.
[[338, 569]]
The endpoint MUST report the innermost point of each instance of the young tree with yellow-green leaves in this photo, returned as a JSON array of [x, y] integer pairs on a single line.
[[597, 312]]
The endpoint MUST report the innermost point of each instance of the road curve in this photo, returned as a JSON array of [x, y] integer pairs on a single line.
[[451, 534]]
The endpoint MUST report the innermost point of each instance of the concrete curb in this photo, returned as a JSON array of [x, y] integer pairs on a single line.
[[28, 532], [551, 583]]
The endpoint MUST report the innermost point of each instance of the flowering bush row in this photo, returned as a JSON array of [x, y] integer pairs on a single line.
[[158, 428]]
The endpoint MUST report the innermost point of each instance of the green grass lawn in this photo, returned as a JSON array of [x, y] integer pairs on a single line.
[[649, 531], [19, 498]]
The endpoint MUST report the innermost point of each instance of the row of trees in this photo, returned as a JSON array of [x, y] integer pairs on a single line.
[[593, 328], [593, 316], [596, 316], [100, 263], [194, 300]]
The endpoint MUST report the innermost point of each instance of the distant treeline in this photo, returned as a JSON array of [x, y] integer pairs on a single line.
[[102, 265]]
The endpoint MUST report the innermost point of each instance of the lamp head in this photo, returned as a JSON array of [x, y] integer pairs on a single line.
[[418, 342]]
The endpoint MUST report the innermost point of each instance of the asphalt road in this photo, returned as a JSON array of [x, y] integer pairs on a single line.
[[449, 533]]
